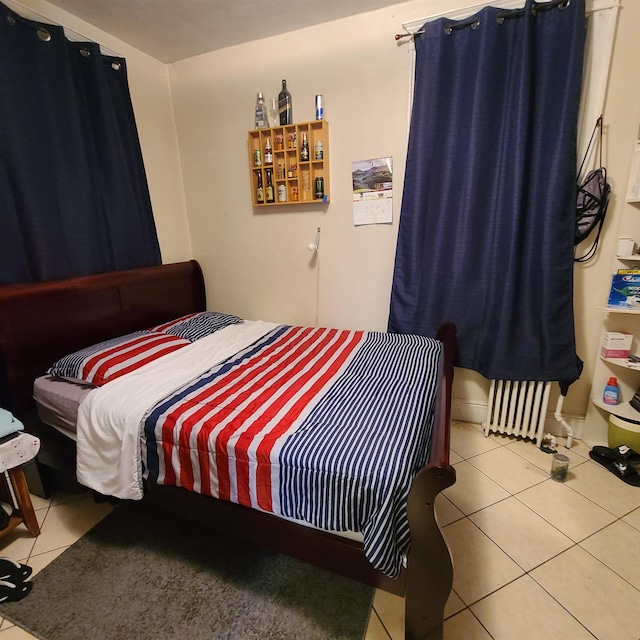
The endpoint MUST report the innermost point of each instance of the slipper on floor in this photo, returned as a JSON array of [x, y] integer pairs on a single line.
[[12, 571], [10, 592], [620, 469], [621, 453]]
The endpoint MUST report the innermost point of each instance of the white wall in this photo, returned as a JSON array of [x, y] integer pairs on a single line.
[[151, 98]]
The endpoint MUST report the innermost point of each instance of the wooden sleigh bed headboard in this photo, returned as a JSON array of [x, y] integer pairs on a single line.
[[40, 323]]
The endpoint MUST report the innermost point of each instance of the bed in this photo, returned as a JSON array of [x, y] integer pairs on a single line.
[[42, 323]]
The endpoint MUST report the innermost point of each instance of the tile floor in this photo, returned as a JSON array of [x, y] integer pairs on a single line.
[[533, 558]]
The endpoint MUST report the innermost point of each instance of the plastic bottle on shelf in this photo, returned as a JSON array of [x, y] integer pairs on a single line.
[[260, 113], [611, 393]]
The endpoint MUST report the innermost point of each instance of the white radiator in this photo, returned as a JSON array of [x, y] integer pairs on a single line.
[[518, 408]]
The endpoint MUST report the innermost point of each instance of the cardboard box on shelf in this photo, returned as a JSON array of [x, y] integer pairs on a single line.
[[626, 247], [616, 344]]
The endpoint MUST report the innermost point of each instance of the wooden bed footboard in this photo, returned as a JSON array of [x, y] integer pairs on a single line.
[[40, 323]]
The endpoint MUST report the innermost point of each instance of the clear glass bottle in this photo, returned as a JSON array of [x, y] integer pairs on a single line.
[[285, 105], [260, 113]]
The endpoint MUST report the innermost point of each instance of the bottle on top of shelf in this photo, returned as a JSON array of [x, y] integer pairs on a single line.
[[260, 113], [285, 105]]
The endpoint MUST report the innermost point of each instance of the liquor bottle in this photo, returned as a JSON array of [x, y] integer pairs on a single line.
[[260, 189], [285, 105], [268, 154], [304, 149], [270, 197], [261, 116]]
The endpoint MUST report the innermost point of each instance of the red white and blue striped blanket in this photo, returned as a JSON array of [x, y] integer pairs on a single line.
[[324, 426]]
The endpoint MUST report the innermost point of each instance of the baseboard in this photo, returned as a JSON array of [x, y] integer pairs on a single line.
[[464, 411]]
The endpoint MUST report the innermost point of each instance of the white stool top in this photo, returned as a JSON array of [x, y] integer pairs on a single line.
[[18, 450]]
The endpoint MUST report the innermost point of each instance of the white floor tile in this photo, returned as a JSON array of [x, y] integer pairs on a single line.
[[454, 605], [617, 546], [567, 510], [473, 490], [601, 486], [508, 469], [525, 611], [464, 626], [446, 511], [633, 519], [521, 533], [601, 600], [375, 630], [66, 523], [16, 633], [468, 441], [479, 565], [390, 609]]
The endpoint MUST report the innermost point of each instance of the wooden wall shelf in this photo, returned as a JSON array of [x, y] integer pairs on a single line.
[[292, 176]]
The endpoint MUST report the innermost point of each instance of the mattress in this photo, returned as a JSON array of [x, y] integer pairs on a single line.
[[57, 402]]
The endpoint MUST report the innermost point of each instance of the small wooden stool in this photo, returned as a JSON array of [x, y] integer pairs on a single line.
[[14, 453], [17, 493]]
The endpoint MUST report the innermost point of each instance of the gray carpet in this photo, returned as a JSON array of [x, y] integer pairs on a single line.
[[139, 574]]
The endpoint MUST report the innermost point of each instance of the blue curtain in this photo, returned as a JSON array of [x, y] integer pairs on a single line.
[[74, 198], [488, 211]]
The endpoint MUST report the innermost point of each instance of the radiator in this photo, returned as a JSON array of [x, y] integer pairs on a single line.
[[517, 408]]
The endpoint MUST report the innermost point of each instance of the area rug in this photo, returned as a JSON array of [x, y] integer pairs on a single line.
[[141, 574]]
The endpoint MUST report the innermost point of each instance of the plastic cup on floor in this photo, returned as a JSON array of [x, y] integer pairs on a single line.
[[559, 467]]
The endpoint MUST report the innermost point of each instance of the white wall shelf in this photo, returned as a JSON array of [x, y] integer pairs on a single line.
[[622, 410], [629, 310]]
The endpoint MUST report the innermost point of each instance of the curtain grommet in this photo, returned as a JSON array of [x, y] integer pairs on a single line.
[[44, 35], [11, 20], [448, 30], [564, 5], [116, 66], [475, 24], [85, 52]]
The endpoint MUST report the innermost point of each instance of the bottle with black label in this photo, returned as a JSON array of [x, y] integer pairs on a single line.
[[259, 189], [285, 105], [304, 149], [270, 196], [268, 153]]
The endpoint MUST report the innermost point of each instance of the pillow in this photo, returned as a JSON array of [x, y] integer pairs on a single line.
[[100, 363], [197, 325]]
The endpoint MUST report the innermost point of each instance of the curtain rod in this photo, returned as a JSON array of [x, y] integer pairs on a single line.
[[413, 27], [70, 34]]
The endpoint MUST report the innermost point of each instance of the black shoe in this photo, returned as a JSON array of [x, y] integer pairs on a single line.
[[14, 572]]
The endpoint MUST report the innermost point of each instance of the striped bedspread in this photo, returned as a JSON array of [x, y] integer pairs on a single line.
[[321, 425]]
